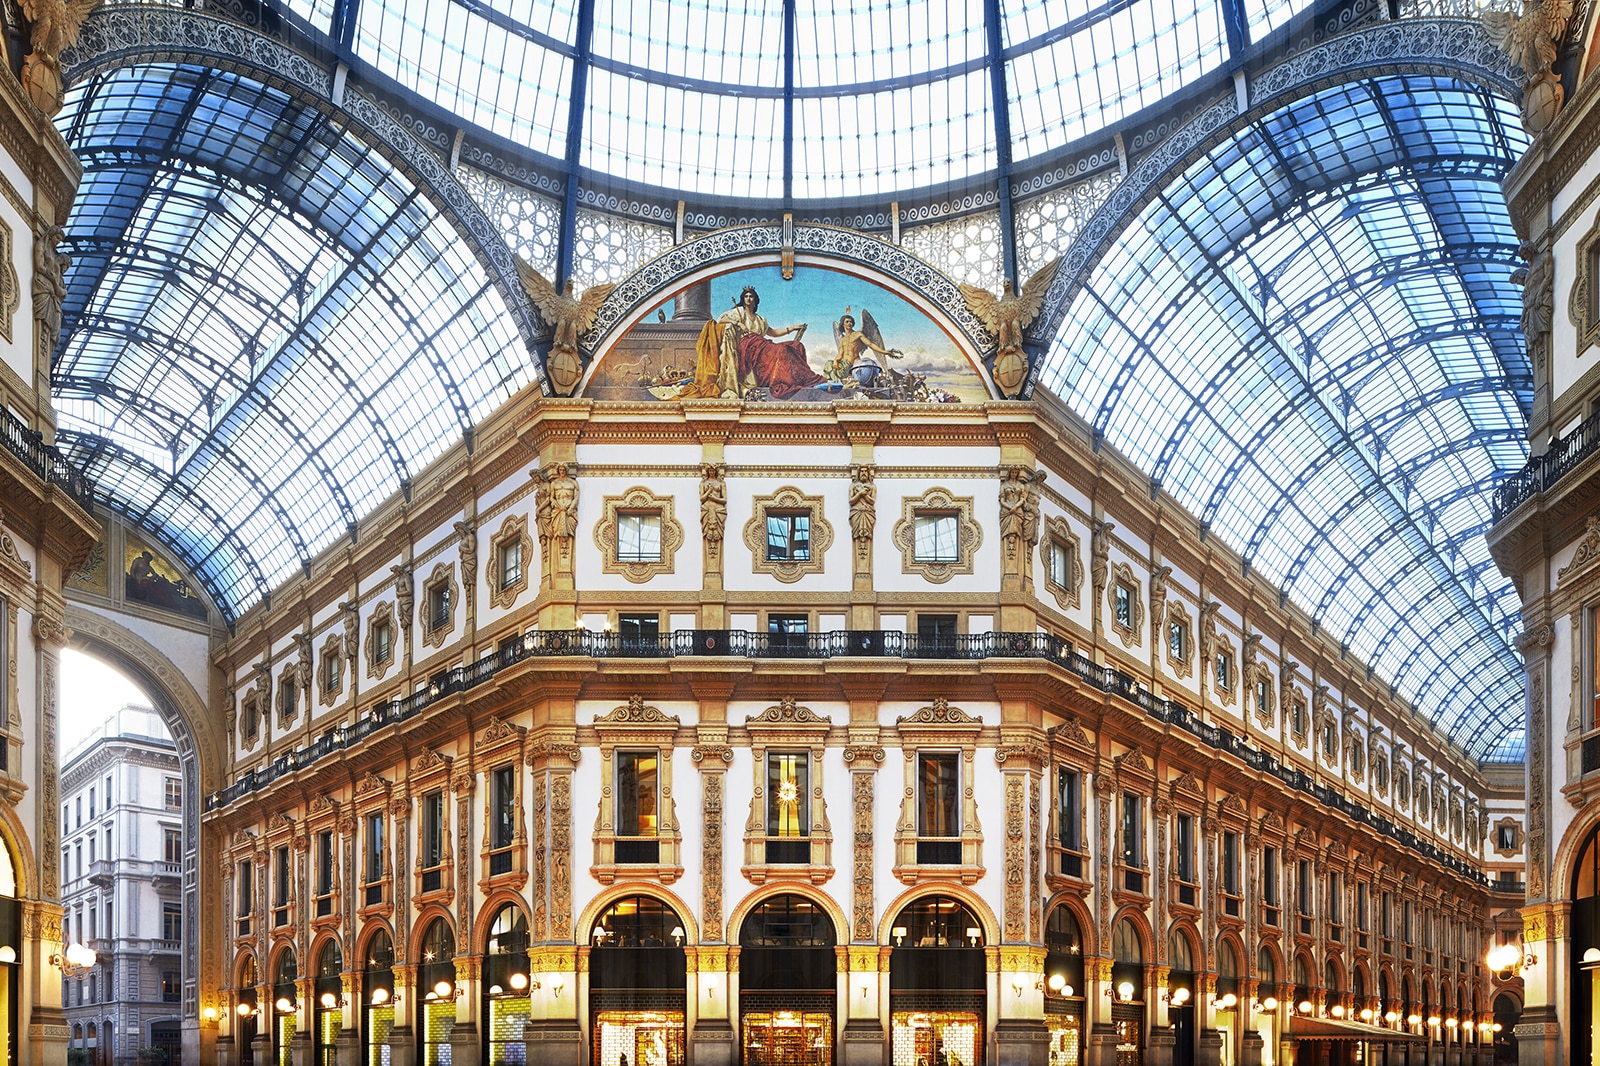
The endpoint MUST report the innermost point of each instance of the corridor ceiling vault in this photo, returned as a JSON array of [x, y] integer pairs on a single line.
[[1306, 332]]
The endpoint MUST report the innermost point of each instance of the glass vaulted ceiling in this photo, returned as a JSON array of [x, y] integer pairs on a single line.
[[1309, 337]]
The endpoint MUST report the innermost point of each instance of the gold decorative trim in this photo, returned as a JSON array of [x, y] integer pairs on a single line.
[[637, 725], [382, 614], [1178, 615], [513, 529], [1057, 530], [637, 500], [1588, 549], [787, 498], [250, 720], [10, 286], [969, 536], [1131, 635], [443, 576], [1517, 837], [788, 727], [332, 658]]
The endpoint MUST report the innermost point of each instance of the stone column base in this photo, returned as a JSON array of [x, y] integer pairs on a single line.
[[1253, 1048], [863, 1044], [1021, 1042], [1160, 1050], [554, 1043], [1103, 1041], [1209, 1051], [711, 1043]]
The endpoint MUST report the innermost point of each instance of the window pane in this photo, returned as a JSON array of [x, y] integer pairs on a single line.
[[636, 794], [936, 538], [639, 538], [939, 782], [787, 789], [505, 798]]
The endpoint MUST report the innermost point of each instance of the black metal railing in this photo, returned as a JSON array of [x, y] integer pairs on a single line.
[[856, 643], [47, 461], [1541, 472]]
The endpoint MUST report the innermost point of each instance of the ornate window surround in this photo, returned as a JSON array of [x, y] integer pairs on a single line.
[[430, 772], [250, 715], [935, 728], [382, 614], [637, 500], [288, 711], [1297, 712], [1122, 575], [787, 727], [1355, 755], [513, 530], [637, 726], [500, 745], [1057, 530], [1378, 767], [1517, 838], [443, 576], [1071, 748], [969, 535], [372, 794], [1222, 646], [787, 499], [1266, 710], [1178, 615], [1583, 301], [322, 816], [332, 652]]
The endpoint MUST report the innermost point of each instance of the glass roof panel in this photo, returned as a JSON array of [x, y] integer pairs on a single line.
[[277, 325], [1284, 341]]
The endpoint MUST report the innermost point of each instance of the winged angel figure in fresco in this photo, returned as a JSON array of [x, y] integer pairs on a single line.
[[856, 348], [1533, 41], [55, 28], [1006, 316], [568, 316]]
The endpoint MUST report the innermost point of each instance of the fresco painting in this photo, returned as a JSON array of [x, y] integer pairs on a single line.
[[150, 578], [825, 336]]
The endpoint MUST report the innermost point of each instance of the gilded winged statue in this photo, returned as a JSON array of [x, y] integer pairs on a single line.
[[55, 27], [569, 316], [1533, 41], [1007, 316]]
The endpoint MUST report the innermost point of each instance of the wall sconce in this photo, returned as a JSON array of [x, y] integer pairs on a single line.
[[1506, 961], [442, 990], [1018, 980], [380, 996], [558, 984], [209, 1015], [1337, 1010], [1269, 1004], [1391, 1016], [1433, 1021], [1176, 996], [598, 936], [899, 934], [1058, 984], [866, 985], [1306, 1007], [1451, 1023], [8, 954], [677, 936], [1124, 991], [1413, 1019], [1228, 1001], [245, 1010], [1366, 1014], [330, 1001], [284, 1005], [78, 961]]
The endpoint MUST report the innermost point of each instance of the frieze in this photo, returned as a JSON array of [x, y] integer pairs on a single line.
[[1034, 754], [542, 749], [1588, 549]]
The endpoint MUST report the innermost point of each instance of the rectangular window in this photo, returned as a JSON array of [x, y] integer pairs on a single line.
[[171, 845], [174, 793], [1298, 711], [1184, 837], [79, 806], [171, 986], [1058, 565], [1224, 671], [288, 697], [1335, 899], [788, 786], [935, 533], [639, 537], [936, 631], [1594, 667], [432, 830], [280, 887], [171, 921], [1132, 830], [1069, 809], [245, 895], [91, 802], [1178, 641], [382, 642], [1386, 915], [1407, 915], [1264, 696], [788, 536], [1330, 740], [332, 671], [1123, 599], [1361, 906], [939, 807], [372, 872], [787, 632], [510, 563], [1303, 870], [503, 823], [1505, 837], [92, 840], [1230, 864], [639, 631], [324, 873], [1269, 876], [438, 605], [636, 806]]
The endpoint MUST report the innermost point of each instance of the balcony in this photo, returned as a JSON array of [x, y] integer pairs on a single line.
[[46, 461], [1541, 472]]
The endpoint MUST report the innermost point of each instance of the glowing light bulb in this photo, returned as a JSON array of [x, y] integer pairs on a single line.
[[1228, 1001], [1125, 990], [1270, 1003], [519, 981], [443, 989]]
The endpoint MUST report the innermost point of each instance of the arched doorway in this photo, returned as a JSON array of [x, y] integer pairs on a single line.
[[637, 976], [1064, 987], [937, 983], [507, 988], [328, 1005], [788, 982], [248, 1011], [1585, 931], [1507, 1012], [285, 1005], [436, 993], [377, 997], [1180, 996], [1230, 1009], [1127, 984]]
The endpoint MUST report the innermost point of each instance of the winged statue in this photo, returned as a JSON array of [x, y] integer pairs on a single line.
[[1533, 41], [55, 27], [569, 316], [1007, 316]]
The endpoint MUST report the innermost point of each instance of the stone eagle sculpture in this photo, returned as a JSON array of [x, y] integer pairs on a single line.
[[1007, 316], [1533, 41], [55, 26], [568, 316]]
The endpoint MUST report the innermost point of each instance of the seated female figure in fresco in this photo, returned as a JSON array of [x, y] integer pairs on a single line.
[[738, 351]]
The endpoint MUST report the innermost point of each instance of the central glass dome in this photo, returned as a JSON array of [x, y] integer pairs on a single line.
[[847, 99]]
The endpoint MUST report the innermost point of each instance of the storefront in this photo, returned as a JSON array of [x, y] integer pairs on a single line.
[[1063, 988], [247, 1012], [285, 1007], [377, 999], [507, 988], [788, 981], [1127, 985], [328, 1005], [437, 993], [637, 975], [938, 999], [1180, 997]]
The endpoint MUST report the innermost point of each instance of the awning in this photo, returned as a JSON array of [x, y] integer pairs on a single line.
[[1304, 1028]]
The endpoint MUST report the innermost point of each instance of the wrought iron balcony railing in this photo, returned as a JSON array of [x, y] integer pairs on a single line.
[[47, 461], [1541, 472]]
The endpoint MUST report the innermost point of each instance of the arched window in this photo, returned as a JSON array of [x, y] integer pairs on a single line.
[[328, 1010], [285, 1020], [1181, 956], [436, 993], [637, 976], [1267, 972], [788, 975], [937, 977], [507, 985], [1330, 985], [1227, 969], [1063, 944], [377, 994]]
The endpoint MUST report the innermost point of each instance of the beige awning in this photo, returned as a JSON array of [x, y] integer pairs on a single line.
[[1302, 1027]]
